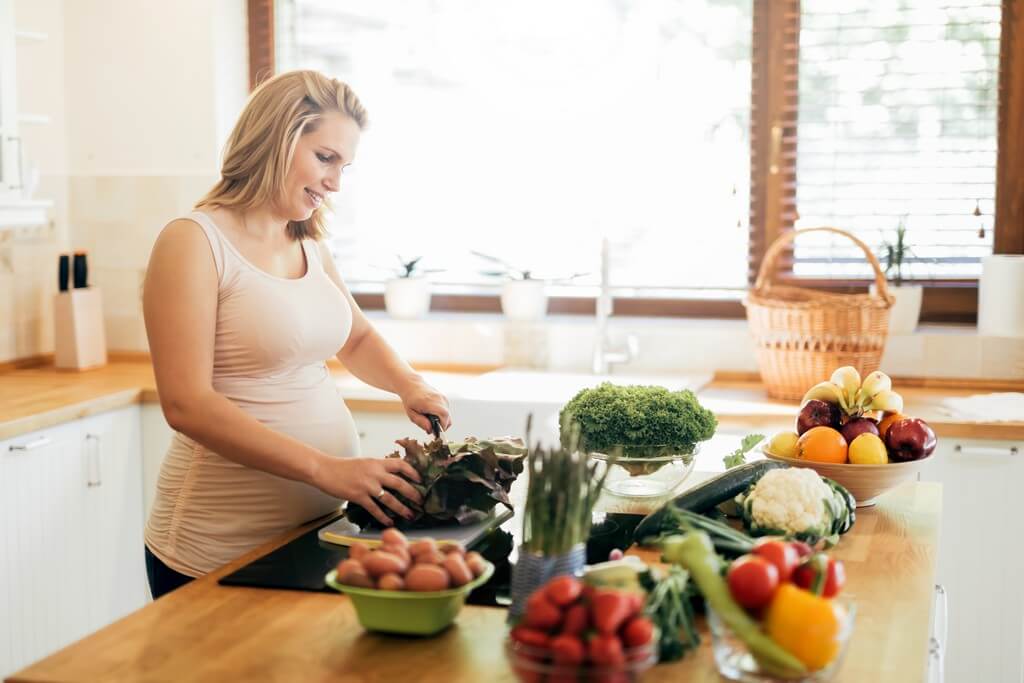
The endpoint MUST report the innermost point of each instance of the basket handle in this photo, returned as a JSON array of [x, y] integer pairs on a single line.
[[766, 274]]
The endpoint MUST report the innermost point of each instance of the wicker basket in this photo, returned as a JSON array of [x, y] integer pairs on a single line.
[[802, 335]]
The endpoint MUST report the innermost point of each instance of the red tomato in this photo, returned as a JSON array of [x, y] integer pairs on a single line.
[[610, 609], [637, 632], [752, 581], [832, 571], [541, 613], [802, 549], [781, 554], [528, 636], [567, 649], [605, 648], [563, 590], [576, 620]]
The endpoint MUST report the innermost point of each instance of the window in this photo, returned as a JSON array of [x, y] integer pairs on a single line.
[[897, 125], [530, 130], [690, 133]]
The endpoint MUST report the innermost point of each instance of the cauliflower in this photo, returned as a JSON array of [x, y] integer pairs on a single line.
[[797, 502]]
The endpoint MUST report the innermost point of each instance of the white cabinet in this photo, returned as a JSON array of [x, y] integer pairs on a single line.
[[379, 431], [70, 533], [981, 561]]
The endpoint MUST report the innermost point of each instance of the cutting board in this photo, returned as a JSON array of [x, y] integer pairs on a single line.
[[344, 532]]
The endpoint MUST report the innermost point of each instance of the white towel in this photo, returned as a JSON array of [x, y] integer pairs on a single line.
[[1002, 407]]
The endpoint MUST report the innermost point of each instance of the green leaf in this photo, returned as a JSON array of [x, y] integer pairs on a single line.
[[738, 457]]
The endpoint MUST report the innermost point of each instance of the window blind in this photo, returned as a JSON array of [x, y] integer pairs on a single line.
[[896, 125]]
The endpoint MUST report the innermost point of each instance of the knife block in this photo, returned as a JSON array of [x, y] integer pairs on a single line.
[[79, 339]]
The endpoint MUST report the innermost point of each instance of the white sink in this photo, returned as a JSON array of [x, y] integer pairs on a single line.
[[498, 403]]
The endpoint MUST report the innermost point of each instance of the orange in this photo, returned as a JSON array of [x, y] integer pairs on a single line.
[[822, 444], [887, 420]]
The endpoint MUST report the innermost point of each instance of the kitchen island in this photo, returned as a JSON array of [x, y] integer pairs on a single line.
[[206, 631]]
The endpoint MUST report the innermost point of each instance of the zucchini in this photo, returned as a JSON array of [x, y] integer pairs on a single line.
[[706, 495]]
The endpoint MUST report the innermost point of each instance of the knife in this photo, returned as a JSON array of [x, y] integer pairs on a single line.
[[435, 425]]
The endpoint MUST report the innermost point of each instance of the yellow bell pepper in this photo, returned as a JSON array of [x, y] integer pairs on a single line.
[[805, 625]]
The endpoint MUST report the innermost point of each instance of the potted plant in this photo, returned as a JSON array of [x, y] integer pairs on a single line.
[[906, 308], [407, 294], [523, 297], [650, 433]]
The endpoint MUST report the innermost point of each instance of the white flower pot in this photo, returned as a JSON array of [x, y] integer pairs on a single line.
[[407, 297], [906, 310], [524, 299]]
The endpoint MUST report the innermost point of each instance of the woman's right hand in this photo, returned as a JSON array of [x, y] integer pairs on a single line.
[[369, 482]]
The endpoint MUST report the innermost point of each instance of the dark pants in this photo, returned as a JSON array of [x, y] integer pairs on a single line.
[[162, 579]]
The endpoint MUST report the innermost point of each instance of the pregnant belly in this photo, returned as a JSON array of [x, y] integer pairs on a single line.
[[305, 405]]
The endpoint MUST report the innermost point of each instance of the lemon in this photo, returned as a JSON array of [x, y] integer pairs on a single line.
[[868, 449], [784, 444]]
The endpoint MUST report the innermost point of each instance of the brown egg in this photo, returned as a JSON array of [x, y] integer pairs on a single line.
[[378, 563], [449, 548], [393, 537], [421, 546], [429, 557], [457, 569], [476, 562], [357, 550], [426, 578], [391, 582], [401, 551]]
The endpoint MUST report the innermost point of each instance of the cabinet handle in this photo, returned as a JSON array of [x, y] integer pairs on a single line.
[[936, 666], [38, 442], [940, 630], [94, 439], [985, 450]]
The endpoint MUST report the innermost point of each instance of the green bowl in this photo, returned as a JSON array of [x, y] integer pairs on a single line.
[[407, 612]]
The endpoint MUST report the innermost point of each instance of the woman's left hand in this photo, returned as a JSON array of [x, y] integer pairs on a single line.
[[420, 400]]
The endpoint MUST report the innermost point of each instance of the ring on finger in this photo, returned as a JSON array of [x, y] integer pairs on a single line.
[[380, 494]]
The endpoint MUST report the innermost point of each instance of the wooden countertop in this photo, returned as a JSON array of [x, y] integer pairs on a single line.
[[36, 398], [205, 631]]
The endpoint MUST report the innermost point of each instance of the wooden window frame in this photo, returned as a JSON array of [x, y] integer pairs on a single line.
[[773, 194]]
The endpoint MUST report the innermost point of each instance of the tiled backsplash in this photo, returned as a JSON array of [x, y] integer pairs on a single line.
[[116, 219]]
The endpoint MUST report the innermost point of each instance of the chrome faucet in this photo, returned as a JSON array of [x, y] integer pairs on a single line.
[[604, 355]]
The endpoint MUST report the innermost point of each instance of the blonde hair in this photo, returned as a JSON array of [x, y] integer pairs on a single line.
[[260, 149]]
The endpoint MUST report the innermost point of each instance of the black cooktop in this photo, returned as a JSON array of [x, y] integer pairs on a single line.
[[303, 563]]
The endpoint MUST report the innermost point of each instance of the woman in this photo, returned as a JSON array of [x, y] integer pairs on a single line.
[[243, 304]]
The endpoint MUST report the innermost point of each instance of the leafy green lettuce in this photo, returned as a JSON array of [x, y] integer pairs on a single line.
[[461, 481]]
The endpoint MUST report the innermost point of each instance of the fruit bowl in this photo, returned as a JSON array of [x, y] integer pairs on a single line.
[[408, 612], [865, 482]]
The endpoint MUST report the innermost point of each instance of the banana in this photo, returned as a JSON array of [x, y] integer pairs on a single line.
[[828, 392], [887, 400], [848, 380], [875, 383]]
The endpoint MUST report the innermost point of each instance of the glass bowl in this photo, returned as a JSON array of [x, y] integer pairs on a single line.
[[533, 664], [657, 476], [736, 663]]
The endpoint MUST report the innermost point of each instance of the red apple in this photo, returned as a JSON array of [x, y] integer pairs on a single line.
[[857, 426], [817, 413], [910, 439]]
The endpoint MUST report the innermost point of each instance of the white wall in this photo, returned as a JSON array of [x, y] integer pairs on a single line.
[[147, 81]]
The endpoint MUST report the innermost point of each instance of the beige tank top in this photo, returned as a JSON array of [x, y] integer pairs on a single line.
[[272, 338]]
